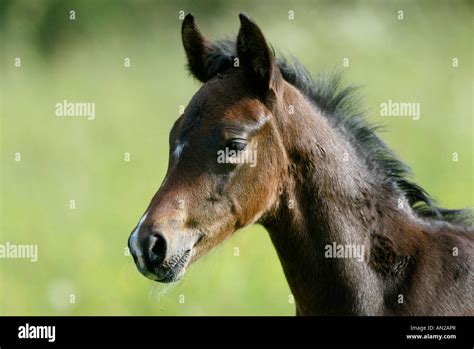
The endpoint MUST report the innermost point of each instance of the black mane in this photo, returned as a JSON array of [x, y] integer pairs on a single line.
[[340, 105]]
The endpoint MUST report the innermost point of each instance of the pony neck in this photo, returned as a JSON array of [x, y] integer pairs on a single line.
[[328, 198]]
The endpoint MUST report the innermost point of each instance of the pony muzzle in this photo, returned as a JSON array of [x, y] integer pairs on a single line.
[[158, 256]]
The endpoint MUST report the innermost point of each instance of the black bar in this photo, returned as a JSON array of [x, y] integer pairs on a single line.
[[320, 331]]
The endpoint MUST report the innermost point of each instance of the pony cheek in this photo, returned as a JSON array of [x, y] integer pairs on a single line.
[[213, 238], [253, 206]]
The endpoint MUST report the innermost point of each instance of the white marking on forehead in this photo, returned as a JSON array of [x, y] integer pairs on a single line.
[[134, 242], [178, 149]]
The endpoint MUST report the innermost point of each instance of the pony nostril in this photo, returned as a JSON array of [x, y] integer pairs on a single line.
[[157, 249]]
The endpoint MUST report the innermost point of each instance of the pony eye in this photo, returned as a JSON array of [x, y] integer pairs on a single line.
[[237, 144]]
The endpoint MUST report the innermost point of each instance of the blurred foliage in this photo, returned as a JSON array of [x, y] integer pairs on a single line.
[[82, 251]]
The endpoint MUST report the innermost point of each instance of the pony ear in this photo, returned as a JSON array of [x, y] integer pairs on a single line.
[[255, 56], [204, 58]]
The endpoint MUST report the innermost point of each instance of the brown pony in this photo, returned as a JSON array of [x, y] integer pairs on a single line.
[[263, 142]]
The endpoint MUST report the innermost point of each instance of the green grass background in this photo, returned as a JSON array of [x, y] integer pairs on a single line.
[[82, 251]]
